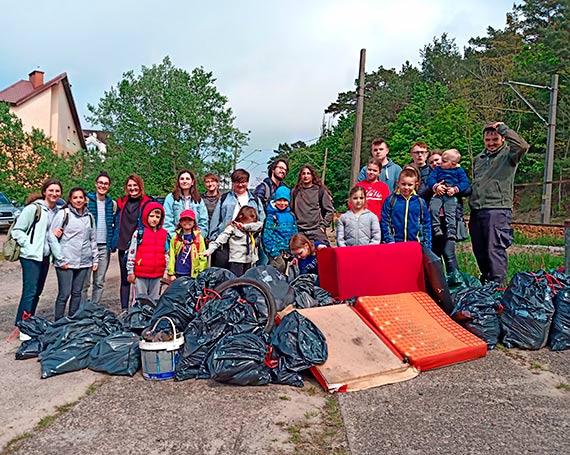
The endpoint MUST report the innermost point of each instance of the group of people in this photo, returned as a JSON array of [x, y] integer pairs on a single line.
[[270, 225]]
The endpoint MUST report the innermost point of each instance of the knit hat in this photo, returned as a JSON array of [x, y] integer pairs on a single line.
[[282, 193], [188, 214]]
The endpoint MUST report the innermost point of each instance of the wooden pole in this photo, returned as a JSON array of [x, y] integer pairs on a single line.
[[567, 247], [357, 143], [325, 165], [549, 161]]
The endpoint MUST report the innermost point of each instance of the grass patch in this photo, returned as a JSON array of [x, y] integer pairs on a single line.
[[547, 240], [311, 391], [13, 444], [518, 262], [563, 386], [285, 398]]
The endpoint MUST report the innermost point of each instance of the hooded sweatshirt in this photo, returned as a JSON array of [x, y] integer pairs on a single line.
[[280, 225], [148, 250], [77, 246]]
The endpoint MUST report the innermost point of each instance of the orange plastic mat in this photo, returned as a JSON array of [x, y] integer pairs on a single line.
[[419, 330]]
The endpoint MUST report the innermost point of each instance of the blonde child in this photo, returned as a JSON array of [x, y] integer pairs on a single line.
[[185, 246], [147, 257], [358, 226], [304, 252], [241, 236]]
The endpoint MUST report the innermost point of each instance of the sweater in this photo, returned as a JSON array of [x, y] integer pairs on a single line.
[[453, 178], [494, 172], [126, 220], [363, 229], [279, 227], [313, 207]]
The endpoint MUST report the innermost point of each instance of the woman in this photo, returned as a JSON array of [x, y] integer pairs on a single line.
[[312, 204], [185, 197], [30, 231], [127, 218], [76, 253]]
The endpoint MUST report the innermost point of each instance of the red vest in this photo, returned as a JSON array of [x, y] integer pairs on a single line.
[[150, 260]]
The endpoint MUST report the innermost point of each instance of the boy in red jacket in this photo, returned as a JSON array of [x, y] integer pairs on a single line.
[[147, 260]]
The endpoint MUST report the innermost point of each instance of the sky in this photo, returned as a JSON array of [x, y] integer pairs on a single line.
[[279, 63]]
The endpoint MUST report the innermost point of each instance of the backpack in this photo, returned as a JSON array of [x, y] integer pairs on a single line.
[[66, 218], [11, 248]]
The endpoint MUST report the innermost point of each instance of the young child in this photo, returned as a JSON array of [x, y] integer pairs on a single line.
[[446, 181], [358, 226], [240, 234], [280, 225], [376, 191], [405, 216], [185, 246], [147, 258], [305, 253]]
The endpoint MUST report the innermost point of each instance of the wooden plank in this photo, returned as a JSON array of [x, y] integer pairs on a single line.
[[358, 359]]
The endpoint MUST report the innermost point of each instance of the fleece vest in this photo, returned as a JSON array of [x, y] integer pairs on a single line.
[[150, 260]]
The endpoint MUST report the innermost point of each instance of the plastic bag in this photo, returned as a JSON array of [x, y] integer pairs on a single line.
[[560, 329], [29, 349], [140, 314], [282, 291], [34, 326], [477, 310], [456, 281], [177, 303], [298, 344], [528, 308], [218, 318], [239, 359], [117, 354]]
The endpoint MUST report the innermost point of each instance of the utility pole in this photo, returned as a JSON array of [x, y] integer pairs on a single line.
[[235, 157], [549, 161], [325, 165], [546, 203], [358, 121]]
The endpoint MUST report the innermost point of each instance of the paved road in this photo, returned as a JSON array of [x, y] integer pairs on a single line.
[[509, 402]]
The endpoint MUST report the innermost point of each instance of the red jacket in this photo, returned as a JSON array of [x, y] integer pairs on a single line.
[[150, 260]]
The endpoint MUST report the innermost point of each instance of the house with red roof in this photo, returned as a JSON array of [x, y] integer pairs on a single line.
[[47, 106]]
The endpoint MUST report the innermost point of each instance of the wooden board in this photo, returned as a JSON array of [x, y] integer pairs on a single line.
[[358, 358]]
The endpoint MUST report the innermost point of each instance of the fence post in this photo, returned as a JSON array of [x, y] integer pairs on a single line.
[[567, 246]]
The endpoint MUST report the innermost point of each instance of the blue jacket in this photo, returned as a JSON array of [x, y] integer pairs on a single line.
[[388, 174], [455, 177], [110, 207], [174, 208], [280, 226], [405, 220], [224, 211]]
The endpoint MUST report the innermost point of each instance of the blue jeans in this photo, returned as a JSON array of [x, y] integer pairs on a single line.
[[69, 282], [34, 275], [98, 276]]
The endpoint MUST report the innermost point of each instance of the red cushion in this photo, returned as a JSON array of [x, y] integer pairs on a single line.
[[354, 271]]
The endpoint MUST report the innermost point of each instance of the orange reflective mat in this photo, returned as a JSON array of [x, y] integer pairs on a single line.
[[419, 330]]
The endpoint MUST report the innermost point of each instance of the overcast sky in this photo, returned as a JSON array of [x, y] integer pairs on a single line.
[[279, 63]]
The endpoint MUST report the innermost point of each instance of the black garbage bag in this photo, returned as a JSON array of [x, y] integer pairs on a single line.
[[280, 374], [281, 290], [457, 281], [299, 342], [117, 354], [29, 349], [239, 359], [139, 315], [324, 298], [304, 287], [34, 326], [477, 310], [177, 303], [68, 342], [212, 277], [216, 319], [560, 329], [528, 309]]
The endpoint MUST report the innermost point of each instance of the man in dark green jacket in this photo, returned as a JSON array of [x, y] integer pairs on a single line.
[[491, 201]]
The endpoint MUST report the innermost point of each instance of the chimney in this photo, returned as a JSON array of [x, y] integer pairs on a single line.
[[36, 78]]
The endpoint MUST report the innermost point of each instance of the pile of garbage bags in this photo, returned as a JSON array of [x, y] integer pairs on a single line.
[[226, 335], [533, 311]]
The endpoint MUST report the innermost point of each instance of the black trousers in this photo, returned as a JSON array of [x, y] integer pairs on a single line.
[[491, 235]]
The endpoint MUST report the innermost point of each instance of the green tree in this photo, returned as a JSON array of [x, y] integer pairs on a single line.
[[166, 119]]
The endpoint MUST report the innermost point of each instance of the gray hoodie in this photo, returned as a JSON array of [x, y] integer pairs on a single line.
[[77, 246]]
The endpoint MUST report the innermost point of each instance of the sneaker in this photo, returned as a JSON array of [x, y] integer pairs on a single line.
[[24, 337]]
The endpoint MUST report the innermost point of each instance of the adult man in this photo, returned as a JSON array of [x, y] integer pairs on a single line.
[[228, 207], [491, 201], [420, 153], [277, 171], [103, 209], [390, 170]]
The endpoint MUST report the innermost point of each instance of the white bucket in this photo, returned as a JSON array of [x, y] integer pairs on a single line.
[[159, 358]]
